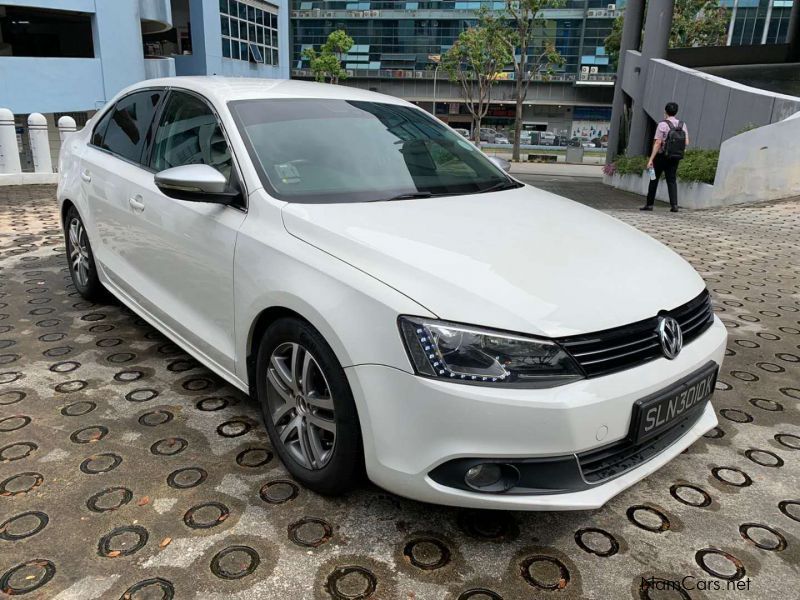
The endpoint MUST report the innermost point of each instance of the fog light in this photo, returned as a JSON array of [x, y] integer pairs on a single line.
[[491, 477], [483, 475]]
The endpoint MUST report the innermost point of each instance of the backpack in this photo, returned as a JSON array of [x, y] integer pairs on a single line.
[[675, 142]]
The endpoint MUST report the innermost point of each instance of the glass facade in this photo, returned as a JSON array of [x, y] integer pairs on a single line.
[[752, 16], [396, 39], [249, 31]]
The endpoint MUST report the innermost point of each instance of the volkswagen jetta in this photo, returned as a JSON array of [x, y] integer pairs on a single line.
[[397, 305]]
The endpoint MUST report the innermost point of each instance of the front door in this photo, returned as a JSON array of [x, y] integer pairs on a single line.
[[187, 248]]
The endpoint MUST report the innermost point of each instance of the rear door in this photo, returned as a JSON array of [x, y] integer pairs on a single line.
[[111, 162], [186, 248]]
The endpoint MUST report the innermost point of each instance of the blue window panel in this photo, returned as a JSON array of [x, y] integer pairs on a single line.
[[588, 60], [601, 60], [600, 51]]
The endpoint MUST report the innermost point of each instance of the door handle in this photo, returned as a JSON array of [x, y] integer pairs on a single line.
[[136, 203], [86, 175]]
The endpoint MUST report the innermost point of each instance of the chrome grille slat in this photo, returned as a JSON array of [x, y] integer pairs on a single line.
[[618, 356], [598, 353], [611, 348]]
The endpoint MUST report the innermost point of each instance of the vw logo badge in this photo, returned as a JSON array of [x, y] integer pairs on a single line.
[[670, 336]]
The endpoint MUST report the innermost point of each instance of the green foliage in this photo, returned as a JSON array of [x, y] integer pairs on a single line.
[[698, 23], [694, 23], [631, 165], [475, 61], [531, 40], [613, 40], [326, 64], [699, 165]]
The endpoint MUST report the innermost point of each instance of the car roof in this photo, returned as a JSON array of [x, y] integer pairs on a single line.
[[227, 89]]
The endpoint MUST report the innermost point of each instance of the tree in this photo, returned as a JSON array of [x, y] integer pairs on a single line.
[[698, 23], [327, 63], [526, 34], [475, 61], [614, 40], [694, 23]]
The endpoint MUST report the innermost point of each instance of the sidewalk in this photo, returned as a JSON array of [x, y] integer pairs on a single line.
[[559, 168]]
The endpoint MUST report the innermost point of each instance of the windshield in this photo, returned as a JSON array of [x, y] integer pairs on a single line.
[[312, 150]]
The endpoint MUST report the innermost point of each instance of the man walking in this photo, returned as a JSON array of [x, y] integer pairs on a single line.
[[669, 146]]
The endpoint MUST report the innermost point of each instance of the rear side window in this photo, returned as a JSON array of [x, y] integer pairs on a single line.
[[128, 124]]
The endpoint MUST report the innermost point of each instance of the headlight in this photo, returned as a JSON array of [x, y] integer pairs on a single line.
[[473, 355]]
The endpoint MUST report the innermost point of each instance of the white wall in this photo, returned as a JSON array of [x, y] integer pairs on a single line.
[[758, 165]]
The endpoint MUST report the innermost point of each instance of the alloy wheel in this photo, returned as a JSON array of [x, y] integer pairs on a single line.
[[300, 404], [79, 252]]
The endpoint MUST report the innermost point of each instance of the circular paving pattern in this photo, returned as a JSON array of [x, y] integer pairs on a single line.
[[351, 582], [235, 562], [112, 436]]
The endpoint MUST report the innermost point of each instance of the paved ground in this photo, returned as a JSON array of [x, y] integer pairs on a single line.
[[128, 471]]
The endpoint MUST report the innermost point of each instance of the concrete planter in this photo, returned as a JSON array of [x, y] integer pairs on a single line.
[[690, 194]]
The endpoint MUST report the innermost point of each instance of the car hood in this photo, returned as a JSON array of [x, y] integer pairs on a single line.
[[523, 260]]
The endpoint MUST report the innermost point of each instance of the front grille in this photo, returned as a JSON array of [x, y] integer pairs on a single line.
[[624, 347], [614, 460]]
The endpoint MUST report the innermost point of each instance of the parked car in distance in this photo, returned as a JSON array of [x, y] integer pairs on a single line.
[[404, 310], [547, 138], [462, 132], [501, 139], [488, 135]]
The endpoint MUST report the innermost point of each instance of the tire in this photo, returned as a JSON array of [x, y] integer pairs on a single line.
[[300, 411], [80, 257]]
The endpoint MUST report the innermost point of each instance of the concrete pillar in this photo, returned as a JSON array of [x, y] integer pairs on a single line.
[[793, 33], [66, 125], [657, 26], [630, 40], [9, 152], [40, 143]]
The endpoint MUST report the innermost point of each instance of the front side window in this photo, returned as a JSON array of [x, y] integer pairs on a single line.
[[128, 124], [311, 150], [189, 134]]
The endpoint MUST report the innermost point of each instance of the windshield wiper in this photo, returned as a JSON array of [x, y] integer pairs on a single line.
[[406, 196], [497, 187]]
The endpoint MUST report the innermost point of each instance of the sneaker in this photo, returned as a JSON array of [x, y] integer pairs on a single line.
[[673, 209], [647, 207]]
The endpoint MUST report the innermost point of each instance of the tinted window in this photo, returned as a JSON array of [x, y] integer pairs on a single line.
[[128, 125], [100, 130], [349, 151], [190, 134]]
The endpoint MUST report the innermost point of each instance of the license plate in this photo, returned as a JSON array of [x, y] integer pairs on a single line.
[[656, 413]]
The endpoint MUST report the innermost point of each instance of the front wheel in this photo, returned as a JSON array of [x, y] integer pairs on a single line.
[[308, 408], [82, 267]]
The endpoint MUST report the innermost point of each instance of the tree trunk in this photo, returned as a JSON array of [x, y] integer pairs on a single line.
[[476, 133], [517, 124]]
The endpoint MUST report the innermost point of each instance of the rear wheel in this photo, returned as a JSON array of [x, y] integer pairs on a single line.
[[308, 408], [82, 267]]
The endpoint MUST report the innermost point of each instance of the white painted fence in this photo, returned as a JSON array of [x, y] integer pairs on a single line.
[[10, 165]]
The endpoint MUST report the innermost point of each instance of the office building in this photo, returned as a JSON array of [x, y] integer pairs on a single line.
[[397, 45]]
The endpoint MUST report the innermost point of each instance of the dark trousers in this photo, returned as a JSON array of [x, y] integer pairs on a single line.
[[669, 167]]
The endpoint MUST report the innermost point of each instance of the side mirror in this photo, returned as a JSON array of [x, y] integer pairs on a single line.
[[501, 163], [195, 183]]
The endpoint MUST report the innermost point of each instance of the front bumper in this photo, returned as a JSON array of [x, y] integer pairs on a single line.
[[412, 424]]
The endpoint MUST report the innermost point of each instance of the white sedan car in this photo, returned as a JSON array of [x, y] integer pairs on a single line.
[[396, 304]]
